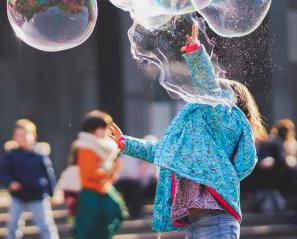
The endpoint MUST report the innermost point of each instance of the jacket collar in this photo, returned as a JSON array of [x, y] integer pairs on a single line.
[[106, 149]]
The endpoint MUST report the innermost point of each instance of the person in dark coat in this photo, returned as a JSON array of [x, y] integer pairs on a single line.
[[273, 170], [28, 174]]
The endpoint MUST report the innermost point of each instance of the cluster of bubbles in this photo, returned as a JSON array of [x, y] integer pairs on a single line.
[[158, 32], [52, 25], [228, 18]]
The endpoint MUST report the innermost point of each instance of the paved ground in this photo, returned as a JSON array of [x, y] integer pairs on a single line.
[[254, 226]]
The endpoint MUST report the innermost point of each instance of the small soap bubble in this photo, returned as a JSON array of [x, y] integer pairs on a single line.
[[52, 25]]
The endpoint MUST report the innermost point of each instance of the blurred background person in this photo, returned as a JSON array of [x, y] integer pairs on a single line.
[[70, 184], [277, 159], [100, 208], [27, 172], [290, 144]]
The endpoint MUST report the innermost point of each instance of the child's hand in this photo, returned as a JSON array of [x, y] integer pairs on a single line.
[[191, 39], [116, 133]]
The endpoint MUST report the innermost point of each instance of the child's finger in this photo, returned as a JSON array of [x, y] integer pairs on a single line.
[[116, 129], [111, 130], [195, 31], [116, 135], [114, 132]]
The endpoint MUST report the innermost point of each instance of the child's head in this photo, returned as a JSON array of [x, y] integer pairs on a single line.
[[25, 133], [284, 128], [96, 122], [247, 104]]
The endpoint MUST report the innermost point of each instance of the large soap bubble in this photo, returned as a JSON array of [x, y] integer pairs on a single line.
[[158, 54], [234, 18], [228, 18], [153, 14], [200, 4], [164, 6], [52, 25]]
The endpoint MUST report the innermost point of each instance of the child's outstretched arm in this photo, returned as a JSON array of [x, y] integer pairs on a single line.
[[200, 66], [133, 147], [139, 148]]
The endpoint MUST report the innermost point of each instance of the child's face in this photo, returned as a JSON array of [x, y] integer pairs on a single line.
[[101, 132], [23, 138]]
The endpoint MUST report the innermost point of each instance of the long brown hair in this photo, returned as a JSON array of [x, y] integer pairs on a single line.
[[247, 104]]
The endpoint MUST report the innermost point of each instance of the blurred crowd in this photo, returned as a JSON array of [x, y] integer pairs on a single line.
[[275, 176], [101, 188], [97, 183]]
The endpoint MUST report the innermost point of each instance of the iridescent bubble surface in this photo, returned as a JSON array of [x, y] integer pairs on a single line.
[[52, 25], [234, 18], [153, 14], [200, 4], [228, 18]]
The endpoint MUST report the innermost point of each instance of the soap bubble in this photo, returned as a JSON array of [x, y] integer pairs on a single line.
[[52, 25], [234, 18], [164, 6], [228, 18], [125, 5], [200, 4], [153, 14], [158, 54]]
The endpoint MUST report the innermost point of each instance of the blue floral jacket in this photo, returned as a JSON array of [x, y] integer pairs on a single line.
[[211, 145]]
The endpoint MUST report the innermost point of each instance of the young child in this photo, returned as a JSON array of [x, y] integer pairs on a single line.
[[100, 209], [203, 156], [70, 184], [30, 179]]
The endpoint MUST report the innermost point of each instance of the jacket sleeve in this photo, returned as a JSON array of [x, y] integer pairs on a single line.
[[246, 157], [5, 171], [203, 75], [139, 148], [50, 174]]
